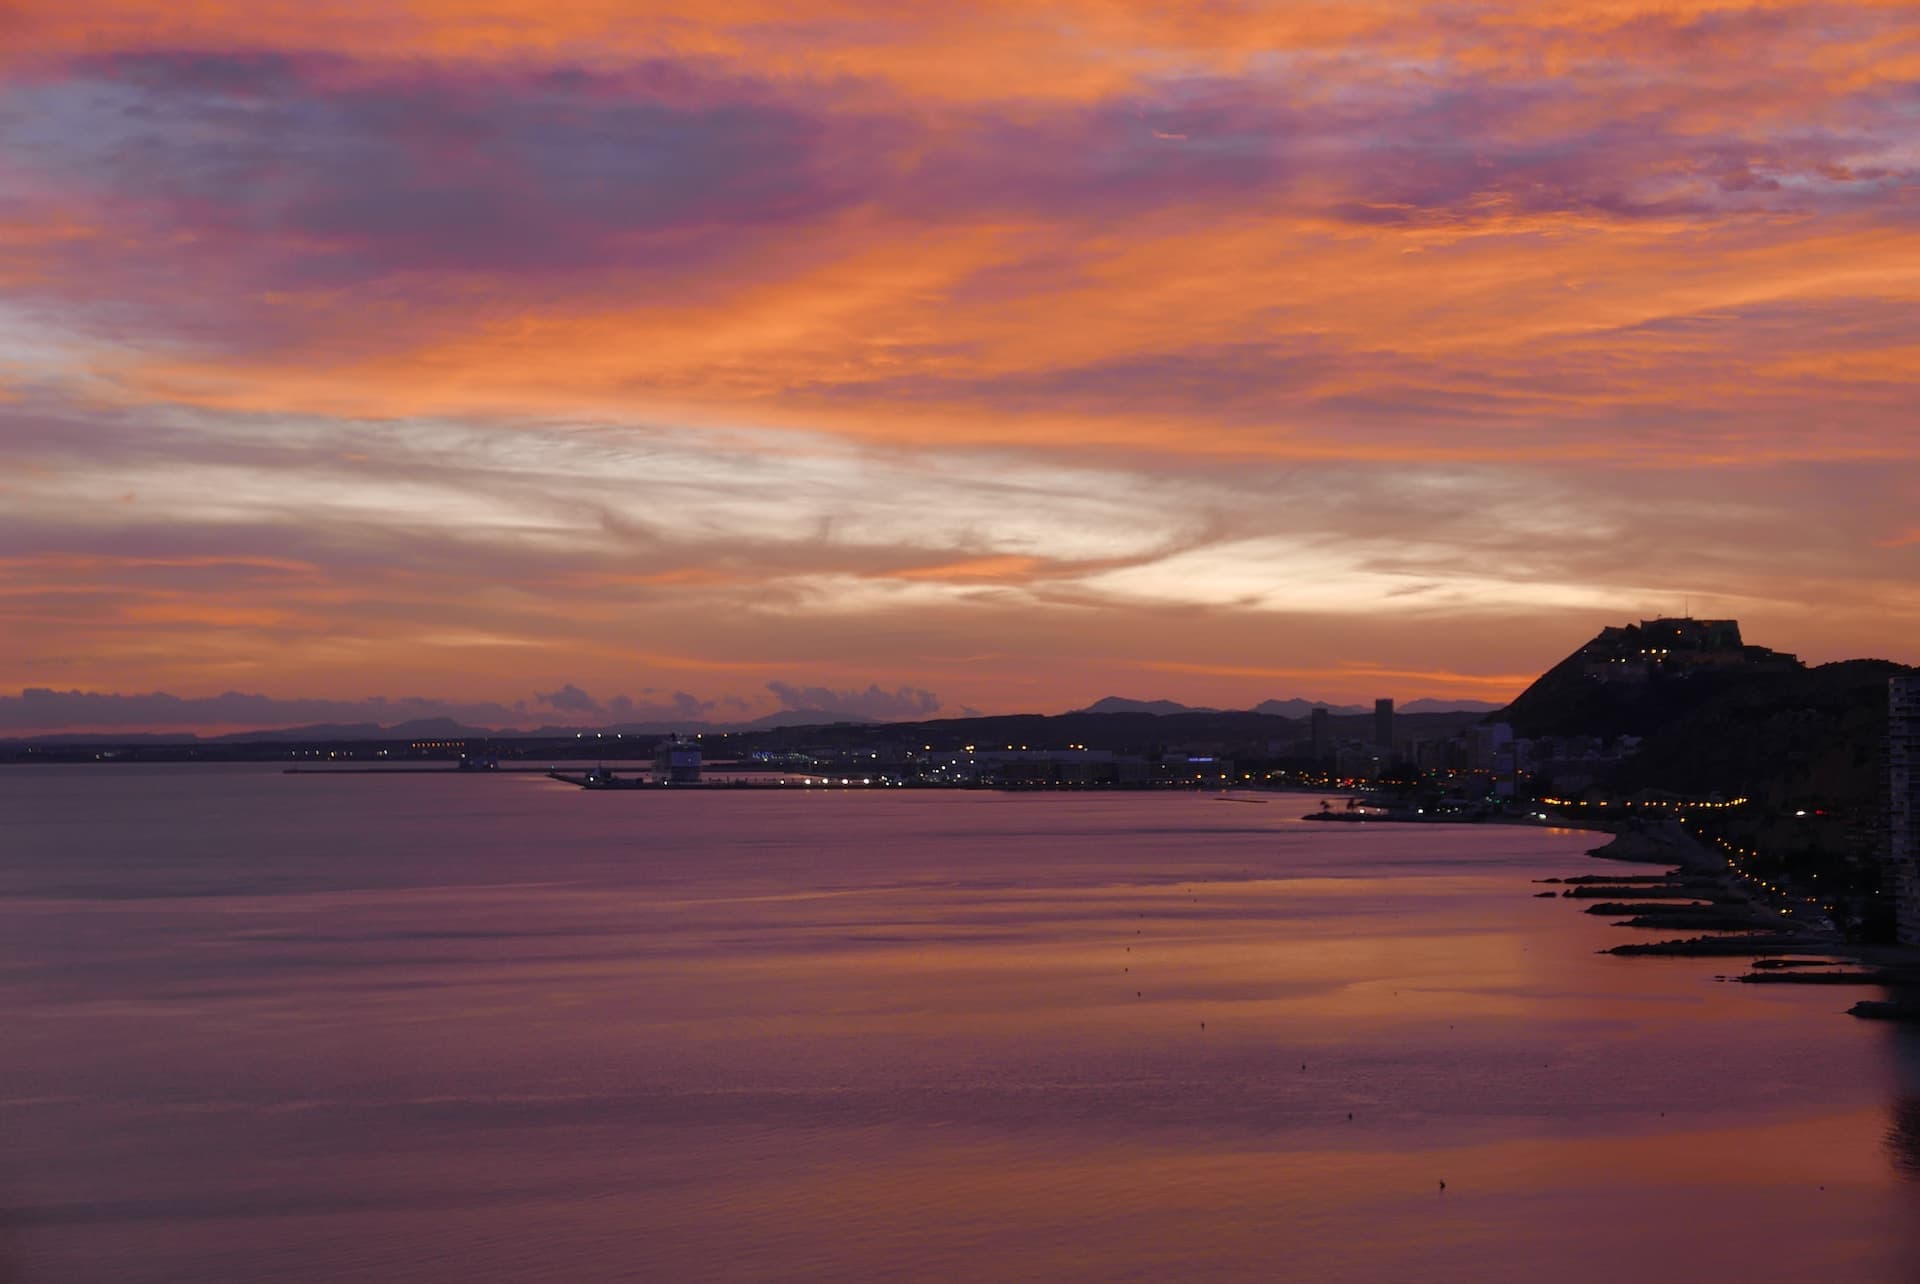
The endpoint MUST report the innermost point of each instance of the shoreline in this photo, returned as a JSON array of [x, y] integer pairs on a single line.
[[1770, 927], [1772, 935]]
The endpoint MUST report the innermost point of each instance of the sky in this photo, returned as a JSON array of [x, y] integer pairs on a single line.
[[584, 361]]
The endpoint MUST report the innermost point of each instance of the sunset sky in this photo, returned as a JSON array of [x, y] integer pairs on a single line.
[[586, 361]]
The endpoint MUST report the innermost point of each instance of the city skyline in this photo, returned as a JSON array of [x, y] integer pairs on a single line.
[[996, 360]]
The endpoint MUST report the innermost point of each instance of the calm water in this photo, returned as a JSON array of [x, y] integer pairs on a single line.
[[351, 1028]]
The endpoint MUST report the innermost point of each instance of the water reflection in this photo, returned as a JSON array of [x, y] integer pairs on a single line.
[[313, 1029], [1903, 1128], [1903, 1136]]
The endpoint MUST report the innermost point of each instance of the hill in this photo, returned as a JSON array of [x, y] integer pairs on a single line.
[[1120, 704], [1293, 708], [1811, 737], [1636, 679], [1716, 715], [1238, 733]]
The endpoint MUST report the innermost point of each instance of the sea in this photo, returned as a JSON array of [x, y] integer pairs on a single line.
[[486, 1026]]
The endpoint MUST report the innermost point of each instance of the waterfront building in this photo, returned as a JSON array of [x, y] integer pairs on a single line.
[[1322, 731], [1489, 744], [1358, 762], [1903, 803], [1437, 755], [1383, 723]]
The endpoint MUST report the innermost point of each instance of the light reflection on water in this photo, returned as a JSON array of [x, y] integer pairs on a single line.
[[495, 1028]]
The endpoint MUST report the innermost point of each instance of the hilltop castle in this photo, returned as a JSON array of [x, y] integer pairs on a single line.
[[1674, 648]]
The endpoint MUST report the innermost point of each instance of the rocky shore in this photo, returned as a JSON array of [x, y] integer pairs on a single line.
[[1700, 892]]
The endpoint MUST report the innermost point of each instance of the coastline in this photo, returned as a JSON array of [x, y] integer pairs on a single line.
[[1770, 933], [1771, 923]]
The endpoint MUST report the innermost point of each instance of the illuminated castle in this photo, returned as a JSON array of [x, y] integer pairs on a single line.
[[1674, 648]]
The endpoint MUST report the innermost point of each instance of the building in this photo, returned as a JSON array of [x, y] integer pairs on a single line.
[[1358, 762], [1489, 746], [1903, 803], [1383, 723], [1322, 731]]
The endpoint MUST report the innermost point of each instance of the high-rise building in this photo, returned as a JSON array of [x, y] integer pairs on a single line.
[[1383, 723], [1322, 731], [1489, 746], [1903, 803]]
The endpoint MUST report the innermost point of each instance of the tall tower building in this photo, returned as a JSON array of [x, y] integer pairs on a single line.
[[1903, 803], [1322, 731], [1383, 723]]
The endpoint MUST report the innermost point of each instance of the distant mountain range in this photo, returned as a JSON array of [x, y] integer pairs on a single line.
[[444, 729], [1295, 708], [1711, 713], [449, 729]]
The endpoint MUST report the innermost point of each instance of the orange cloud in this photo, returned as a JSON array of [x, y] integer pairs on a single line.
[[868, 343], [1077, 48]]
